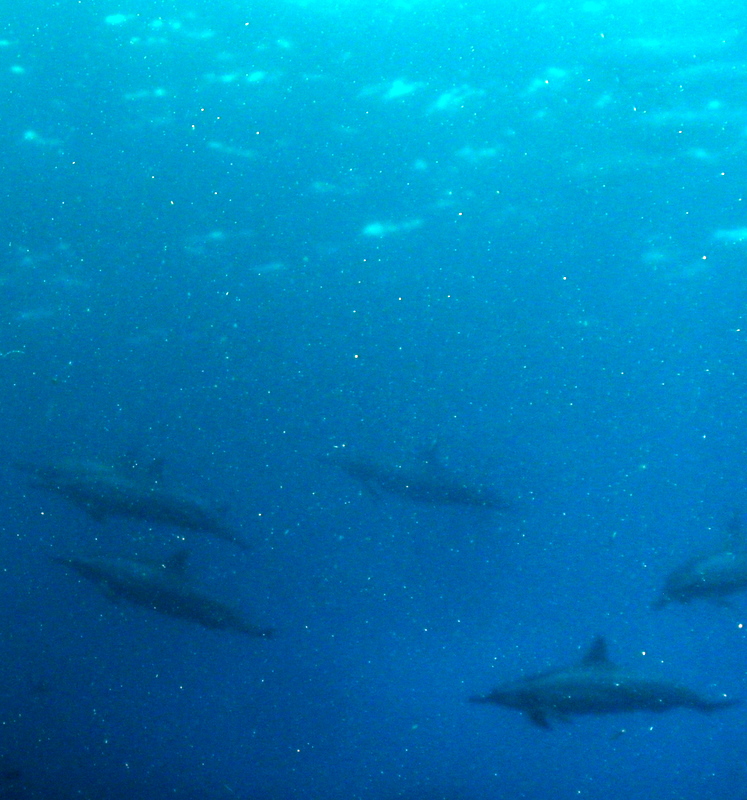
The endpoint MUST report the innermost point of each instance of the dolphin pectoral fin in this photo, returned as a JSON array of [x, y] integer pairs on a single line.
[[539, 718], [660, 603]]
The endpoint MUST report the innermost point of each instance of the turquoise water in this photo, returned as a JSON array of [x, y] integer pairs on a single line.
[[504, 241]]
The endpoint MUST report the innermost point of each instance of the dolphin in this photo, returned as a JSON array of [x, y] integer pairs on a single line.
[[713, 576], [162, 586], [594, 686], [425, 479], [128, 490]]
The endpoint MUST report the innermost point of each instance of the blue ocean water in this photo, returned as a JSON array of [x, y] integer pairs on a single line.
[[243, 237]]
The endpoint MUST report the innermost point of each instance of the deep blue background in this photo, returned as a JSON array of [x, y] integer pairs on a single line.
[[185, 274]]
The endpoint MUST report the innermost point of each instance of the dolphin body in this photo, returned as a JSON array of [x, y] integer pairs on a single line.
[[594, 686], [423, 480], [162, 586], [713, 576], [104, 490]]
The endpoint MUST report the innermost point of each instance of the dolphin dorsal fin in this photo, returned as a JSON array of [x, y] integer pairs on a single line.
[[143, 471], [430, 450], [596, 655], [154, 470], [176, 564], [431, 456]]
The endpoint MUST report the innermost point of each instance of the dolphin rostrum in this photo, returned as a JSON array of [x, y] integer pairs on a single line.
[[162, 586], [134, 491], [594, 686]]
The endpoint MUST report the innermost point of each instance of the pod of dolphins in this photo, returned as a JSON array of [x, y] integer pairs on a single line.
[[595, 685]]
